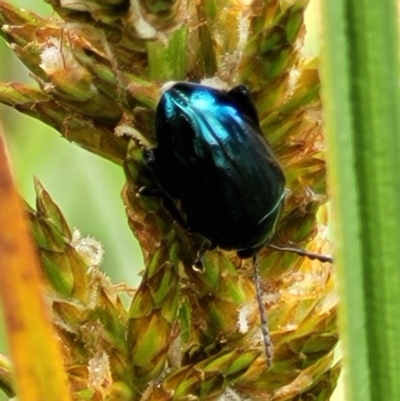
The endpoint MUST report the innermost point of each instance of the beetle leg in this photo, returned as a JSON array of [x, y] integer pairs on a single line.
[[150, 159], [149, 156], [302, 252], [168, 204], [263, 316]]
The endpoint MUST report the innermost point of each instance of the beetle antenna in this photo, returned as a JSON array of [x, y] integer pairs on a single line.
[[263, 315], [302, 252]]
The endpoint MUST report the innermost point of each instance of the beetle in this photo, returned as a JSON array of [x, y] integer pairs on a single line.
[[213, 158]]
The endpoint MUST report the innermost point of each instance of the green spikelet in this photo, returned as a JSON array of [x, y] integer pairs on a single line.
[[186, 334]]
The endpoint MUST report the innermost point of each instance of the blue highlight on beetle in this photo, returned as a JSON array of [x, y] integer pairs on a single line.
[[202, 109]]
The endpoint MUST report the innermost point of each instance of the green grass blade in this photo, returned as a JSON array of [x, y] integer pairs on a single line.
[[362, 112]]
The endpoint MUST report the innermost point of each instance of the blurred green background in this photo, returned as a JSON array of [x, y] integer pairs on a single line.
[[85, 187]]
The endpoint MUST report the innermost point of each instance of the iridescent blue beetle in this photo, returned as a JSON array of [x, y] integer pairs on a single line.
[[213, 158]]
